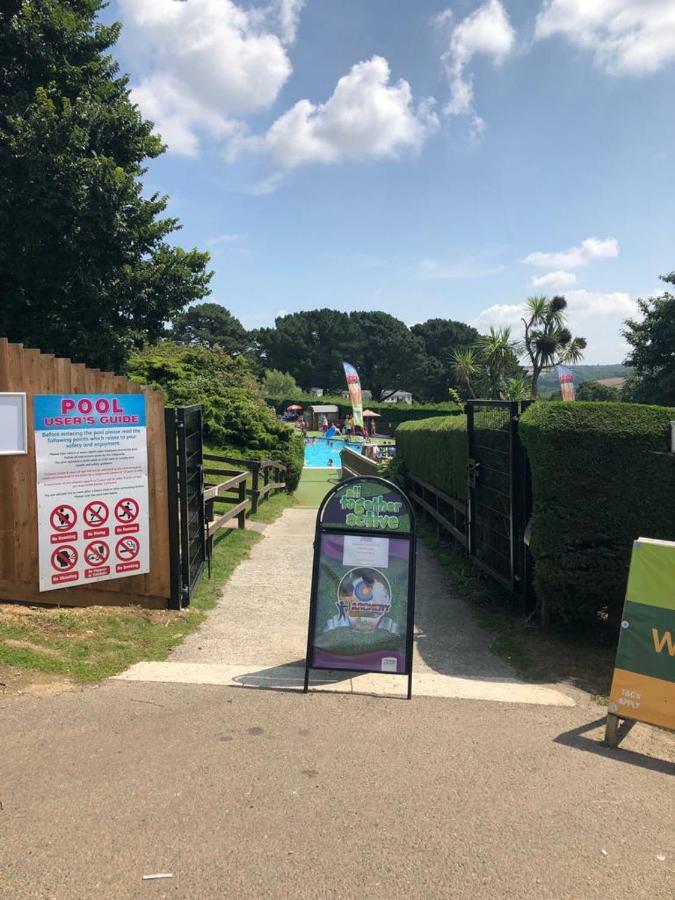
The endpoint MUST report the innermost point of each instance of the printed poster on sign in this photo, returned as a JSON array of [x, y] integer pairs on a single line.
[[92, 488]]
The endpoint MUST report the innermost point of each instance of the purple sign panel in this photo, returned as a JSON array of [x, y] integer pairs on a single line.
[[361, 603]]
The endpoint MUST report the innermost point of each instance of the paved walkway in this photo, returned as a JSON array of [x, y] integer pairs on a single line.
[[257, 634]]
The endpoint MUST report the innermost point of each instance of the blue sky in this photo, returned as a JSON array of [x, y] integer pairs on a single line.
[[424, 158]]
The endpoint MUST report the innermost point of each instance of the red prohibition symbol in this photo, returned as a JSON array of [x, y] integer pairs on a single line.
[[64, 558], [126, 509], [127, 548], [63, 518], [96, 513], [96, 553]]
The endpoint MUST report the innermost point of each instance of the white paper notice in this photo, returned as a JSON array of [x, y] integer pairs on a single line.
[[363, 550]]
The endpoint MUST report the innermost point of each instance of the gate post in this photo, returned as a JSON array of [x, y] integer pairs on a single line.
[[172, 488]]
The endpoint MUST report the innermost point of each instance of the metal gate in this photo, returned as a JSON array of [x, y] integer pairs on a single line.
[[186, 501], [499, 491]]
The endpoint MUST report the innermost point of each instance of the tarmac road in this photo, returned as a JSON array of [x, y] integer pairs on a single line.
[[250, 793]]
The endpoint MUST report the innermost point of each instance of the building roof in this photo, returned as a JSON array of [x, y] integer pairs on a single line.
[[323, 408]]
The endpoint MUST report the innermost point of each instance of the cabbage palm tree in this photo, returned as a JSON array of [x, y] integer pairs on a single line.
[[548, 341], [465, 368], [498, 352]]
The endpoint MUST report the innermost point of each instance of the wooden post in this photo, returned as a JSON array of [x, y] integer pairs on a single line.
[[266, 481], [255, 492], [241, 518]]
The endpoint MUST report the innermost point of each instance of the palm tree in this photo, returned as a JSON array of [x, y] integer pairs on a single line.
[[465, 368], [499, 354], [518, 387], [548, 341]]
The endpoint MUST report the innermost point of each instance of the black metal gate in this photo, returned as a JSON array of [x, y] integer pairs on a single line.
[[186, 501], [499, 491]]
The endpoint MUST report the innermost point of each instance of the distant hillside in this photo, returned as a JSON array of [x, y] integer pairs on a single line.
[[548, 382]]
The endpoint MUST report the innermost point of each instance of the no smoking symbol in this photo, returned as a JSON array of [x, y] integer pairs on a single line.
[[96, 513], [96, 553], [64, 559], [63, 518], [126, 510], [127, 548]]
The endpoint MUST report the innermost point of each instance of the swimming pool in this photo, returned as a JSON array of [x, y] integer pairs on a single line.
[[320, 451]]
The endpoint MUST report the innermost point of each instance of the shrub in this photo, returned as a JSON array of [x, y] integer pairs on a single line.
[[235, 415], [436, 450], [602, 477]]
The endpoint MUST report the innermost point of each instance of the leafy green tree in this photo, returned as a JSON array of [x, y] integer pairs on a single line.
[[236, 417], [86, 269], [210, 325], [441, 338], [652, 356], [517, 387], [548, 341], [280, 385], [593, 390]]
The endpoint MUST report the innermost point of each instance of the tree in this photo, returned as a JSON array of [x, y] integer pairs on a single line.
[[86, 270], [280, 385], [441, 338], [210, 325], [498, 353], [548, 342], [465, 368], [594, 390], [518, 387], [652, 339]]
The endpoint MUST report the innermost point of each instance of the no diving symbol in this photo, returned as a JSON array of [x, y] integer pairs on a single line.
[[64, 559], [63, 518], [96, 553], [127, 548], [96, 513], [126, 510]]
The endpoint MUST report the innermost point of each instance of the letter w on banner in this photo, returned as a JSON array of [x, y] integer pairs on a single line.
[[355, 395], [566, 380]]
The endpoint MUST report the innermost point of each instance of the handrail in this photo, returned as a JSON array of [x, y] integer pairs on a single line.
[[419, 491]]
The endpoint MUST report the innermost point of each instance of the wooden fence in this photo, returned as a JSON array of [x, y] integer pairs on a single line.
[[266, 478], [33, 372], [448, 513]]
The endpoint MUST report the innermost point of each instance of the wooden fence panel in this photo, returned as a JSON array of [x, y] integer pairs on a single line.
[[33, 372]]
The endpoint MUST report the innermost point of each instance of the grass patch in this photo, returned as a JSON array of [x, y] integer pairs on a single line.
[[96, 642], [536, 655]]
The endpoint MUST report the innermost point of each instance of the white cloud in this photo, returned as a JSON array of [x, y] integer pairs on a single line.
[[365, 117], [575, 257], [435, 270], [595, 315], [554, 280], [486, 32], [218, 239], [210, 61], [631, 37]]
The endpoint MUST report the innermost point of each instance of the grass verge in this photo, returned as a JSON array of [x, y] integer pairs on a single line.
[[536, 655], [89, 644]]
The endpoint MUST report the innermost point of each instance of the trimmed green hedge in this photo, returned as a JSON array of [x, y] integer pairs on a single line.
[[602, 477], [390, 412], [437, 451]]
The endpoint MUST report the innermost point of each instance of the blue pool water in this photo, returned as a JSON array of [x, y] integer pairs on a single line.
[[320, 451]]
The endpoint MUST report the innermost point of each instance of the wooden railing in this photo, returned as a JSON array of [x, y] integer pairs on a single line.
[[448, 513], [234, 491]]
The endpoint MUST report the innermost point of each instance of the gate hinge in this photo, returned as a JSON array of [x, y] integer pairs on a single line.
[[472, 468]]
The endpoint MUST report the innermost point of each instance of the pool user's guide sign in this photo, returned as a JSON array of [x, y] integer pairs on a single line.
[[643, 687], [92, 488]]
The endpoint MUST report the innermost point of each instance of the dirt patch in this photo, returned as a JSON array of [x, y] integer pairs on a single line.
[[14, 682], [29, 645]]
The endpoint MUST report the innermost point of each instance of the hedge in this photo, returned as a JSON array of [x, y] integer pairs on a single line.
[[602, 476], [390, 412], [436, 450]]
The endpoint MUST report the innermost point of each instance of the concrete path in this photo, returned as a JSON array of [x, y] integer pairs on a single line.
[[256, 637]]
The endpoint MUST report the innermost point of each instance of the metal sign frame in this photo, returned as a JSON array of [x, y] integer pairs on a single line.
[[323, 528]]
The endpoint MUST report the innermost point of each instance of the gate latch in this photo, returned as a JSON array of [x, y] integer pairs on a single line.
[[472, 472]]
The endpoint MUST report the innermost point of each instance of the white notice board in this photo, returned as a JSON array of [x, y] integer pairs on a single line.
[[13, 437]]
